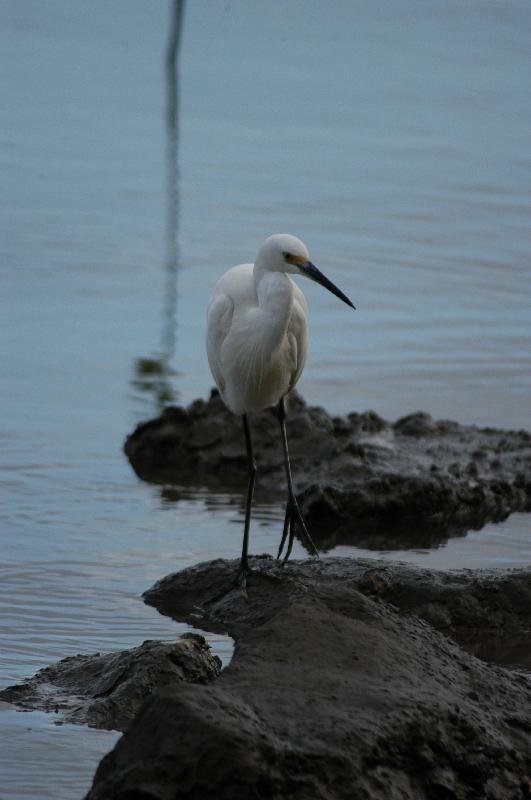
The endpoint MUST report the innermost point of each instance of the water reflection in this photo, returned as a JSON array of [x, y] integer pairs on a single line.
[[154, 375], [352, 535], [413, 534], [494, 544]]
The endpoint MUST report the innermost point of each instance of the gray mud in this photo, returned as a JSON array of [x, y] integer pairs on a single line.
[[106, 691], [362, 480], [340, 687]]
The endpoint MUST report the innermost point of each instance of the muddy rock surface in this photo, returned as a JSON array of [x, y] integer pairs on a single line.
[[361, 480], [106, 691], [336, 690]]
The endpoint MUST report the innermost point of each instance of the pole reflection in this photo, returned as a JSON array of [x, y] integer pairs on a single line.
[[154, 375]]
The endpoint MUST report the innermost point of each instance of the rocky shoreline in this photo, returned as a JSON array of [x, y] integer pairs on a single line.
[[336, 690], [107, 690], [350, 678]]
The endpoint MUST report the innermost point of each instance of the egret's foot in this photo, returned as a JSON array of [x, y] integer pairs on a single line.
[[240, 581], [300, 520], [293, 518], [285, 529]]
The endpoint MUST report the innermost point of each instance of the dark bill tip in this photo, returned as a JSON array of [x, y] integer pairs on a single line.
[[311, 271]]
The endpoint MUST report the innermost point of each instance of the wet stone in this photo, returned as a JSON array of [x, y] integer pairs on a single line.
[[106, 691], [418, 480], [339, 687]]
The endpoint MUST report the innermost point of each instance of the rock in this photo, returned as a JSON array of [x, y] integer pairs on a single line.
[[333, 692], [362, 480], [106, 691]]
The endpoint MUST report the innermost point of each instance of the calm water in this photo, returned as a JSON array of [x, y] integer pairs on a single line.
[[394, 138]]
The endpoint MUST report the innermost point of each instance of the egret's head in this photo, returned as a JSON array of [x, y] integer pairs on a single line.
[[285, 253]]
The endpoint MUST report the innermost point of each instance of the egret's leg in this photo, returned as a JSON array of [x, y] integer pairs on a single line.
[[293, 511], [287, 524], [292, 527], [244, 563]]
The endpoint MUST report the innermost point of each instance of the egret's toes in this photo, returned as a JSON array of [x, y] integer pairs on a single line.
[[285, 529], [305, 531], [240, 582]]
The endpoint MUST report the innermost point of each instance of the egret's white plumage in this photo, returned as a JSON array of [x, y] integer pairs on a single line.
[[257, 342], [257, 334]]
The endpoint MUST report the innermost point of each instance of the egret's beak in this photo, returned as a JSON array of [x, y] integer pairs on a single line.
[[311, 271]]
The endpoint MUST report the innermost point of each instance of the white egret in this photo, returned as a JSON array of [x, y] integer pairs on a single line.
[[257, 341]]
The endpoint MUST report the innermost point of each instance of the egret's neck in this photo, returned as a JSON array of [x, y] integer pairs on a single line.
[[275, 300]]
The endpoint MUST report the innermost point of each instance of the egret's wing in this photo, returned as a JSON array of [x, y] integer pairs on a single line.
[[219, 319], [298, 336]]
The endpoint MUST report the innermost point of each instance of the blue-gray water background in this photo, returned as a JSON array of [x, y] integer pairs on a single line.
[[394, 138]]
